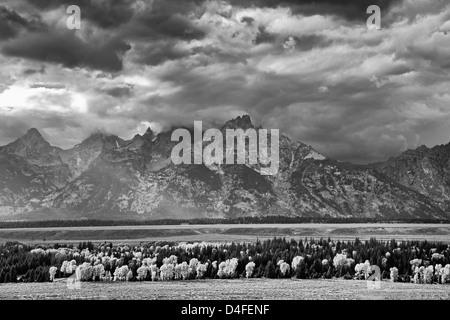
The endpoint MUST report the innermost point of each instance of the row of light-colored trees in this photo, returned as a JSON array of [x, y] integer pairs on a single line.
[[272, 258]]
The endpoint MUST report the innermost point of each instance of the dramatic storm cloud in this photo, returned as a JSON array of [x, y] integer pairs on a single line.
[[310, 68]]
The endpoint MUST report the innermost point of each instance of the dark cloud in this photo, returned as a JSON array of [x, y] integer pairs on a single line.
[[34, 71], [263, 36], [109, 14], [158, 52], [248, 20], [119, 91], [348, 9], [47, 85], [67, 49], [210, 54], [106, 14], [11, 23], [161, 26], [157, 31], [310, 42], [302, 43], [113, 13]]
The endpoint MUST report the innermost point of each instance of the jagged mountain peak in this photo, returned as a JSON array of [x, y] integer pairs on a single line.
[[100, 138], [97, 135], [33, 135], [241, 122], [149, 134], [30, 144], [34, 132], [423, 147], [136, 142]]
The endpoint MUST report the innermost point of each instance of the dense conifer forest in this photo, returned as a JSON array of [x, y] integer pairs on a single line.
[[242, 220]]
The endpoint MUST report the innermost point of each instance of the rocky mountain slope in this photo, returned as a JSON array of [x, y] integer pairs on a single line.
[[426, 170], [108, 177]]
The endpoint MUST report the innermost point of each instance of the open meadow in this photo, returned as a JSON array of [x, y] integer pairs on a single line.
[[230, 232], [252, 289]]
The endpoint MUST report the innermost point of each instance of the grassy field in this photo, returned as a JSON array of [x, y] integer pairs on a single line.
[[232, 232], [254, 289]]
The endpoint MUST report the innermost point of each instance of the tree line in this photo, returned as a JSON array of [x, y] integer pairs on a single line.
[[272, 258], [240, 220]]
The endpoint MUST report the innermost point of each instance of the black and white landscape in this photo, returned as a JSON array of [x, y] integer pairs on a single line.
[[106, 177], [91, 93]]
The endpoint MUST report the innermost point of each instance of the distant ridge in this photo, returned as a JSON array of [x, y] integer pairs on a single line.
[[106, 177]]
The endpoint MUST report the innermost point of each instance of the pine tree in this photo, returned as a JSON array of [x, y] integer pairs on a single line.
[[270, 270], [32, 277], [13, 274], [300, 271], [26, 277]]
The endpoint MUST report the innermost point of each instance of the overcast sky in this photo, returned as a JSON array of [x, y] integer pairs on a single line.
[[310, 68]]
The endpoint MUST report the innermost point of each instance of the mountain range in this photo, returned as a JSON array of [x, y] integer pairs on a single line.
[[106, 177]]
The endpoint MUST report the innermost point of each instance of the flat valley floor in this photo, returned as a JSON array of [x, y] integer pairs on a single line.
[[228, 233], [242, 289]]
